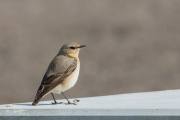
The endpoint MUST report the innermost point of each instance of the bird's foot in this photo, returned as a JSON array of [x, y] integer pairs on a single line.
[[57, 103], [70, 103], [74, 102]]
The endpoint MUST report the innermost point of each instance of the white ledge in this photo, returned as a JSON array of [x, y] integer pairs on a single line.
[[151, 104]]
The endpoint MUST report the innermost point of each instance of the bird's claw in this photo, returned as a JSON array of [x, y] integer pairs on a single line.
[[69, 103], [57, 103], [75, 101]]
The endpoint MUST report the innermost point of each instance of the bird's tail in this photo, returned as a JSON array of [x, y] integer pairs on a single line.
[[38, 96], [35, 102]]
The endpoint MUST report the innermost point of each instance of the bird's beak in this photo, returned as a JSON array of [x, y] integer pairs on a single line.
[[81, 46]]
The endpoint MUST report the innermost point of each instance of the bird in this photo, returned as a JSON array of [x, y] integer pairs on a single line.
[[61, 74]]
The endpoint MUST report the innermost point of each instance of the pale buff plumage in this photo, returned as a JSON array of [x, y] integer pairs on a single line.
[[69, 82], [62, 73]]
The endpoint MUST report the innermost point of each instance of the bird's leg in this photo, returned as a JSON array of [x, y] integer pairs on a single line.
[[75, 101], [66, 98], [54, 99]]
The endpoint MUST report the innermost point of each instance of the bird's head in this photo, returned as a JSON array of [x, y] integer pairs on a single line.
[[71, 49]]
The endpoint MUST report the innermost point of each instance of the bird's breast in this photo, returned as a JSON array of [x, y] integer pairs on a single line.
[[69, 82]]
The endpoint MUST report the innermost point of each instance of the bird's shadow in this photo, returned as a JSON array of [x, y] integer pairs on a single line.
[[29, 104], [41, 104]]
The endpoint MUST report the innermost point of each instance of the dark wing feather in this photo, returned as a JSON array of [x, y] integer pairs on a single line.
[[50, 82]]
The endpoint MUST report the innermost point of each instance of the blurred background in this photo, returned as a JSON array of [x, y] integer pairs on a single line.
[[132, 45]]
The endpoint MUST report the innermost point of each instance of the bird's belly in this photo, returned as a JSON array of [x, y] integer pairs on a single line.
[[69, 82]]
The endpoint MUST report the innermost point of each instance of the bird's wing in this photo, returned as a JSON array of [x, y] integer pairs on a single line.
[[52, 80], [59, 72]]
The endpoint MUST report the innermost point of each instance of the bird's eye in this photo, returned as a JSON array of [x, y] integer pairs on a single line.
[[72, 47]]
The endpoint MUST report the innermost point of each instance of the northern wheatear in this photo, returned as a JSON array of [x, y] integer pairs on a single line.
[[62, 73]]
